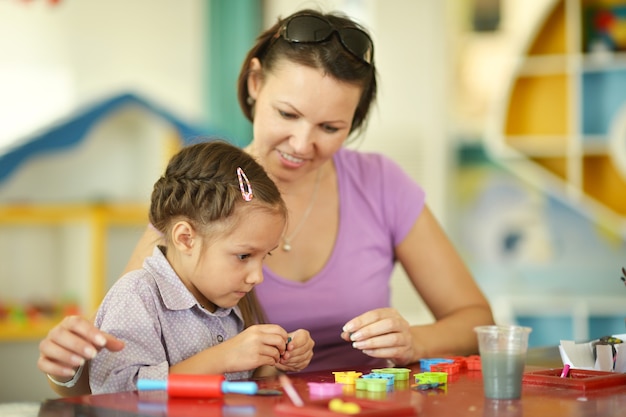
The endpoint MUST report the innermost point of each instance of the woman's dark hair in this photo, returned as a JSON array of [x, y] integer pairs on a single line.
[[330, 56], [201, 185]]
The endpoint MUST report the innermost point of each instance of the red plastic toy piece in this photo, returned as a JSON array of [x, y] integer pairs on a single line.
[[188, 385], [461, 360], [473, 363], [449, 368]]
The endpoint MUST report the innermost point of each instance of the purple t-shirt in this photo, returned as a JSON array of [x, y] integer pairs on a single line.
[[379, 203], [162, 324]]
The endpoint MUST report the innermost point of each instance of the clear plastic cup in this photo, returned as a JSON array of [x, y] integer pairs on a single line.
[[503, 356], [503, 408]]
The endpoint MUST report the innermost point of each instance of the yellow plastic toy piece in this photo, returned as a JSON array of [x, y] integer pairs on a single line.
[[347, 377], [344, 407]]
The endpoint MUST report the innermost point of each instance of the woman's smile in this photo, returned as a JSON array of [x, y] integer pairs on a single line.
[[290, 160]]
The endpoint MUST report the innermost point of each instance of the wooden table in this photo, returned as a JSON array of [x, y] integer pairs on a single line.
[[463, 397]]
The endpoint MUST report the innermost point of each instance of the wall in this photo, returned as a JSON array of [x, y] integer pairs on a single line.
[[55, 57]]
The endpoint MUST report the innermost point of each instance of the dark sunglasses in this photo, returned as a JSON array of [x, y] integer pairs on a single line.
[[315, 29]]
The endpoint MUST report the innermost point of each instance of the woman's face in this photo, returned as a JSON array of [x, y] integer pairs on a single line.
[[302, 117]]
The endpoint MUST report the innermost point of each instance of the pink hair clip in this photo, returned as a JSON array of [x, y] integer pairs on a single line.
[[246, 194]]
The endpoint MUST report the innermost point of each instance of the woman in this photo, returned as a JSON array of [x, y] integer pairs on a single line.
[[307, 85]]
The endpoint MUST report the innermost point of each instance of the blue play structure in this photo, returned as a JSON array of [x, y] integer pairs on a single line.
[[75, 128]]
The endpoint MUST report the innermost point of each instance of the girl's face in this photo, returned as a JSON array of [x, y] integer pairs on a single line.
[[221, 272], [301, 118]]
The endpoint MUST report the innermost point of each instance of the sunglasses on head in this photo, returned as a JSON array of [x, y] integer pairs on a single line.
[[315, 29]]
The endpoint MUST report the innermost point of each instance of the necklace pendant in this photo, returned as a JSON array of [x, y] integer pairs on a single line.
[[287, 239]]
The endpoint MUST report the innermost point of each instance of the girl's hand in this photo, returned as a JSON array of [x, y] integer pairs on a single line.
[[299, 352], [381, 333], [69, 344], [258, 345]]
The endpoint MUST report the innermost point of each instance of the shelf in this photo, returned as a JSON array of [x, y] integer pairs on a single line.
[[73, 244], [539, 106], [12, 332], [601, 179], [543, 65], [563, 110], [551, 36], [575, 317], [59, 213], [539, 145], [600, 62]]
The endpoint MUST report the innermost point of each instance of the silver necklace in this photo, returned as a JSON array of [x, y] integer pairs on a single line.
[[288, 239]]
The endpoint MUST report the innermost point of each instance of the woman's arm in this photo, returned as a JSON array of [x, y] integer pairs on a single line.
[[448, 289], [71, 344], [76, 340]]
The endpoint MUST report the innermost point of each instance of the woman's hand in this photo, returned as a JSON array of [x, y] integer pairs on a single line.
[[381, 333], [299, 352], [69, 344]]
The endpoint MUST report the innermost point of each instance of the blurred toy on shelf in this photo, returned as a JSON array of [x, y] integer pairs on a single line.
[[604, 27], [32, 319]]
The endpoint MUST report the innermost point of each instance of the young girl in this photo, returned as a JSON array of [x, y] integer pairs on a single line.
[[191, 308]]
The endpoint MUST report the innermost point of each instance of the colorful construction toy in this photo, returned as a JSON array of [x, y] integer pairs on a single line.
[[425, 364], [449, 368], [473, 363], [401, 374], [389, 378], [372, 384], [346, 377], [431, 378], [325, 389], [460, 360]]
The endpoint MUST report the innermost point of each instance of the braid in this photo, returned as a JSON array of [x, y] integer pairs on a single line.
[[201, 185], [201, 200]]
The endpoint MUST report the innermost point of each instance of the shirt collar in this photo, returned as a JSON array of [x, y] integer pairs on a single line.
[[173, 292]]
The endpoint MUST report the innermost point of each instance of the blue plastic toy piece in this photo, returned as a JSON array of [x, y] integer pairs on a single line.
[[425, 364], [240, 387], [151, 385]]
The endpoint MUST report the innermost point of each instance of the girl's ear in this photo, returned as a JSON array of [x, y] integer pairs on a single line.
[[183, 236], [254, 78]]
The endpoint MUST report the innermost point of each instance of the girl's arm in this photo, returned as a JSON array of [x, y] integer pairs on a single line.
[[256, 346]]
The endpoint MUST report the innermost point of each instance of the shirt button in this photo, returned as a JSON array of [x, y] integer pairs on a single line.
[[220, 338]]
